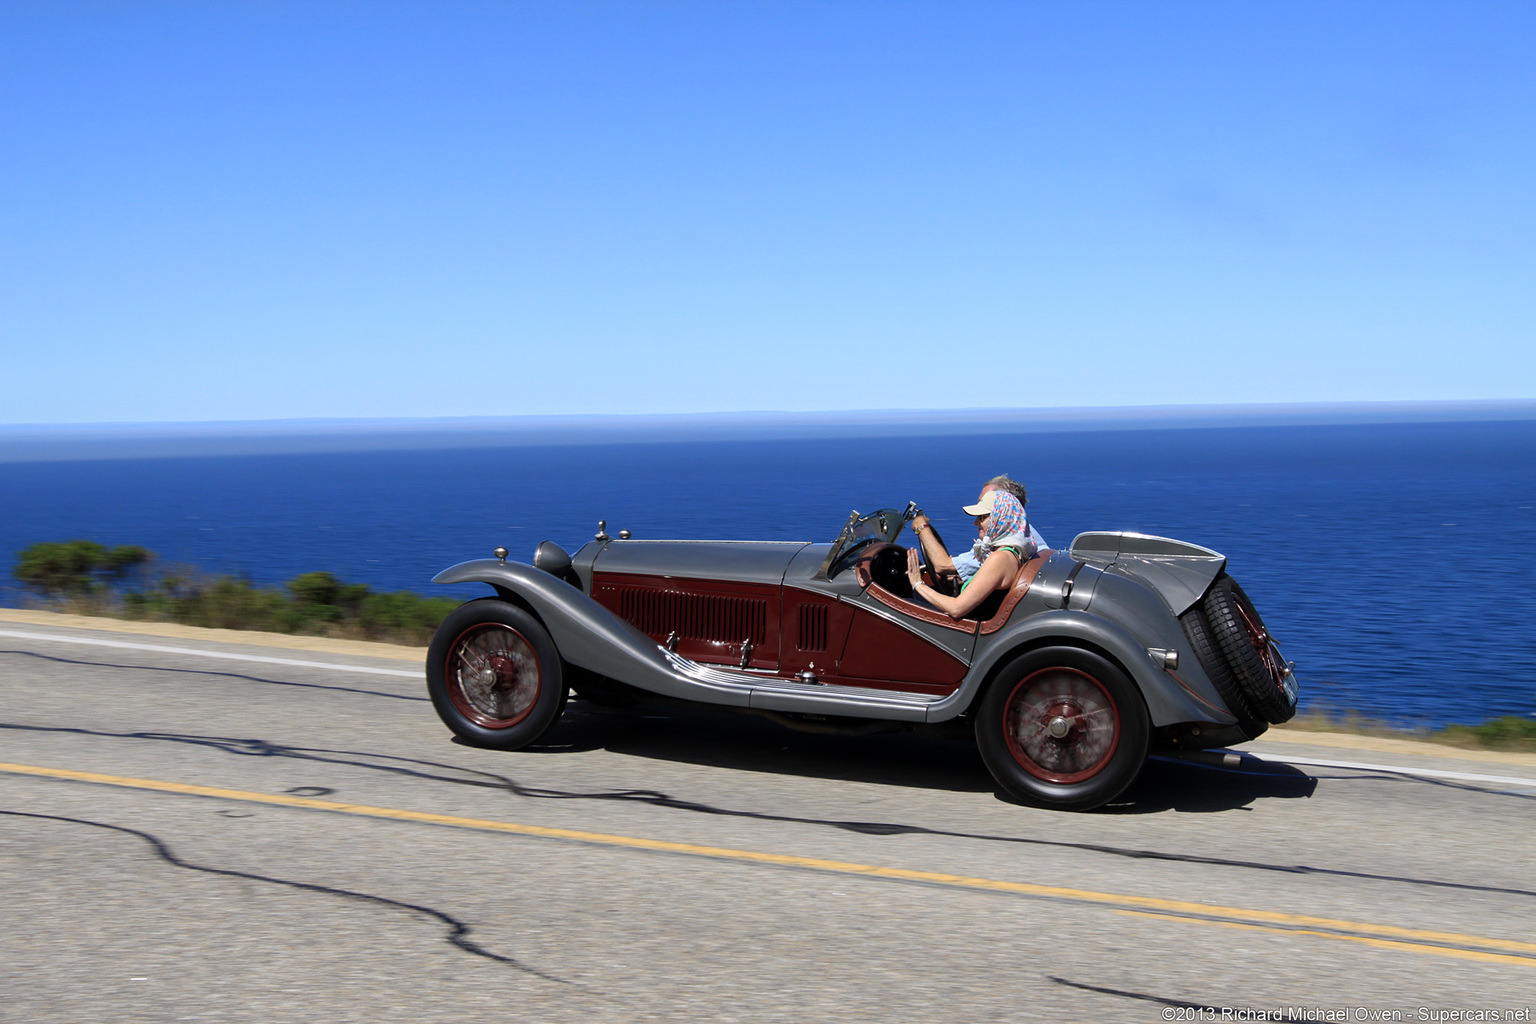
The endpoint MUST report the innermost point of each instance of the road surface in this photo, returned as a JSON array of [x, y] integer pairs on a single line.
[[195, 827]]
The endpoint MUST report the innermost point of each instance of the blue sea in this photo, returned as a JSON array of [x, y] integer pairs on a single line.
[[1394, 561]]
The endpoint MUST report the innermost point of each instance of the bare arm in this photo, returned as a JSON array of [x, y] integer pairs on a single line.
[[995, 572], [937, 556]]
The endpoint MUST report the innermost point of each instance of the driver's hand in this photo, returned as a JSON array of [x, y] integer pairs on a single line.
[[914, 570], [919, 523]]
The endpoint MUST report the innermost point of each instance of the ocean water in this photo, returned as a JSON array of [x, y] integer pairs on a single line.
[[1393, 561]]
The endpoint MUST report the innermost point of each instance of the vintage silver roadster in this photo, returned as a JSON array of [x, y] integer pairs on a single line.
[[1068, 678]]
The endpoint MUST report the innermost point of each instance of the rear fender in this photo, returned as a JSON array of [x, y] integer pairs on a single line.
[[1168, 701], [1177, 571]]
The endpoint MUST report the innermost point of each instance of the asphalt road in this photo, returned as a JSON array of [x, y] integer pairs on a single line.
[[291, 835]]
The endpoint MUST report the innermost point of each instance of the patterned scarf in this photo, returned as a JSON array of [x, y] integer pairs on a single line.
[[1007, 523]]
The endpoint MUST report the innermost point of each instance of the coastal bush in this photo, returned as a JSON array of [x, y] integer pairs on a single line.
[[301, 606], [1509, 732], [82, 575], [57, 570]]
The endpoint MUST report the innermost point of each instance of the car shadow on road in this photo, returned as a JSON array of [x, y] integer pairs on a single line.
[[1167, 784], [744, 742]]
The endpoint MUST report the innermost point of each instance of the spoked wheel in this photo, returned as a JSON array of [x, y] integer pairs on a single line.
[[1063, 728], [1257, 664], [494, 675], [1198, 631]]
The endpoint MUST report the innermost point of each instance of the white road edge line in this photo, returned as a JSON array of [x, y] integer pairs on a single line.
[[1396, 769], [224, 655]]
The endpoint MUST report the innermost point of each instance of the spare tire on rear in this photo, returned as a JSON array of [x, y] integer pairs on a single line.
[[1209, 655], [1249, 651]]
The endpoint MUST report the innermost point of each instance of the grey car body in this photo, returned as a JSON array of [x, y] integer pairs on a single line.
[[831, 633]]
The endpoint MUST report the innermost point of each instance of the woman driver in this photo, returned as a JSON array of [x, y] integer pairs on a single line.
[[1004, 539]]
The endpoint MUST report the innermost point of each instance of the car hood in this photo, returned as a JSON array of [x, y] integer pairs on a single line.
[[748, 561]]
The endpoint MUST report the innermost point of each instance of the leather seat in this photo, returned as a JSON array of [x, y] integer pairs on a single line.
[[1021, 583], [997, 617]]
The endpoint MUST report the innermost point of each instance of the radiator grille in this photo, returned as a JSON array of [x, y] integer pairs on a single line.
[[812, 635], [696, 616]]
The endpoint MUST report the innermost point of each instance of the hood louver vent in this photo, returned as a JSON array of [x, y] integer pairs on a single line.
[[696, 616], [812, 635]]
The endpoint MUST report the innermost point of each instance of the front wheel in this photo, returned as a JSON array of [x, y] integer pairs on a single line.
[[494, 675], [1063, 728]]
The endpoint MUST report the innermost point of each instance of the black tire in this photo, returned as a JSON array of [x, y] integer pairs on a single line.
[[1243, 639], [1220, 673], [494, 675], [1102, 749]]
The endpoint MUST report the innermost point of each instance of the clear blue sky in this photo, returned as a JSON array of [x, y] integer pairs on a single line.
[[232, 210]]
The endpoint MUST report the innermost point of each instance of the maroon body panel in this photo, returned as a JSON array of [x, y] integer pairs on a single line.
[[814, 633], [791, 631], [712, 618], [878, 649]]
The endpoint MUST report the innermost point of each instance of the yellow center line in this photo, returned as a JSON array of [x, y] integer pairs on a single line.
[[1386, 936], [1414, 947]]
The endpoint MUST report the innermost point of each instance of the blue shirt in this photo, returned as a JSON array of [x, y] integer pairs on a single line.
[[966, 563]]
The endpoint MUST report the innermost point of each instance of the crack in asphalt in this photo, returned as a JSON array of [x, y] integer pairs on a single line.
[[226, 675], [458, 932], [249, 747]]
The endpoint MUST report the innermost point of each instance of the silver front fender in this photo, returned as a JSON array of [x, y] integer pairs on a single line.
[[589, 635]]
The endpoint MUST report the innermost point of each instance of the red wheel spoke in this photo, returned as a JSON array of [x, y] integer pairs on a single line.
[[1062, 725], [493, 675]]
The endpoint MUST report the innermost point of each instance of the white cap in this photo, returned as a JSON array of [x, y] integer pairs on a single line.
[[982, 507]]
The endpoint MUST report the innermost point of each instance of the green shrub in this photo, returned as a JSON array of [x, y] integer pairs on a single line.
[[314, 588], [315, 602], [403, 613], [59, 570], [1511, 732]]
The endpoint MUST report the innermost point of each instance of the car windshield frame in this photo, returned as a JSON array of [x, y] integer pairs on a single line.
[[859, 532]]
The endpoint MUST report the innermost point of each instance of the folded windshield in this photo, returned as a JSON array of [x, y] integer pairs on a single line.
[[859, 532]]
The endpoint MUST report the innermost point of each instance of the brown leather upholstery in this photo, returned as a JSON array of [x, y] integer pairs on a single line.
[[1021, 584], [927, 613]]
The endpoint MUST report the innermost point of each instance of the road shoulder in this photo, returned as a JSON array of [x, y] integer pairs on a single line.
[[250, 638]]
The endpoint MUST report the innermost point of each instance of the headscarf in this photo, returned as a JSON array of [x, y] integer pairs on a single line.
[[1007, 526]]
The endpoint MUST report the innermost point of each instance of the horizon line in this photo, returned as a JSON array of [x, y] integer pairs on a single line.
[[40, 442], [1520, 407]]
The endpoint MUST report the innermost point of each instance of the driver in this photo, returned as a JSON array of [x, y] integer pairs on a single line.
[[961, 567], [1003, 545]]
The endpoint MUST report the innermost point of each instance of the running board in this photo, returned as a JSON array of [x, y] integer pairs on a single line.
[[773, 693]]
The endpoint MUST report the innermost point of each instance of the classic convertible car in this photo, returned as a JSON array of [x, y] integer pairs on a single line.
[[1068, 678]]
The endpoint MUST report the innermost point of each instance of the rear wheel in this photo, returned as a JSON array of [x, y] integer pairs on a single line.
[[1063, 728], [494, 675]]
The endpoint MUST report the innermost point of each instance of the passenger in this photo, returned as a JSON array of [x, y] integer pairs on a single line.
[[956, 570], [1002, 547]]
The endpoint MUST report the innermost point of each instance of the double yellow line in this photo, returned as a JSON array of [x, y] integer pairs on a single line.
[[1448, 944]]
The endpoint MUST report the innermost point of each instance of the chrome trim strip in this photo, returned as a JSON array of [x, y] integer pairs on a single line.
[[781, 694]]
